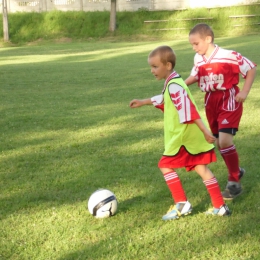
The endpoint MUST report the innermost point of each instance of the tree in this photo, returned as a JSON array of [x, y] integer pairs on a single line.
[[112, 24], [5, 21]]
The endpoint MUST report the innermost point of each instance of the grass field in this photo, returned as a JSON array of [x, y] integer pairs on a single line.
[[67, 130]]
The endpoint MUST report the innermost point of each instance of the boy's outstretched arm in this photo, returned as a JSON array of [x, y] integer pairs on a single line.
[[138, 103], [190, 80], [207, 134], [250, 76]]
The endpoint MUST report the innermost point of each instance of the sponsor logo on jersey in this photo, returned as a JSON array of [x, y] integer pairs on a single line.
[[212, 82]]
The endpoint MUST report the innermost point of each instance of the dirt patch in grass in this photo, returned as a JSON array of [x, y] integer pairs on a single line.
[[63, 39]]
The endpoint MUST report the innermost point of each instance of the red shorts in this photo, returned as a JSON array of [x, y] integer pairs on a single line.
[[222, 110], [187, 160]]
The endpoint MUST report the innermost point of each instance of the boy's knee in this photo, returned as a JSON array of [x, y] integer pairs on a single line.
[[165, 170], [224, 140], [224, 144]]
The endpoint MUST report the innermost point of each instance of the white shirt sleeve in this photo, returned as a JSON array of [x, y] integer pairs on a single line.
[[185, 108], [157, 100], [244, 64]]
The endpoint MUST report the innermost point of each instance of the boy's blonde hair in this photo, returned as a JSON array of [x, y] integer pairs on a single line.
[[203, 30], [165, 53]]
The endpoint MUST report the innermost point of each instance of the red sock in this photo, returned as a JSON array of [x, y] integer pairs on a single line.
[[230, 157], [174, 183], [214, 192]]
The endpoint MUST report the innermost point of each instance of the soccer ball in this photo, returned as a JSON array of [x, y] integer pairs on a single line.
[[102, 203]]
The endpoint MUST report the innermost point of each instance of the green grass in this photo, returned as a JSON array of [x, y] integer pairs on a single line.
[[66, 130]]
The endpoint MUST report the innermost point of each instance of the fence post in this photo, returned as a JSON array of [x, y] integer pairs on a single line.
[[81, 5], [112, 24], [5, 21]]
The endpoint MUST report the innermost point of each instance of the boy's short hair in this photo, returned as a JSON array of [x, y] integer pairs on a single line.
[[203, 30], [165, 53]]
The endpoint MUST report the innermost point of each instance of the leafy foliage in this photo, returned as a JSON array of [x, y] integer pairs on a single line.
[[29, 27]]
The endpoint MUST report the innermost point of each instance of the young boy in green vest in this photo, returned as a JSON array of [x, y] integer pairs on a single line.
[[188, 142]]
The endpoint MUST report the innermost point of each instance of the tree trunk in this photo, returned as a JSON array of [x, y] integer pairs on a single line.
[[112, 24], [5, 21]]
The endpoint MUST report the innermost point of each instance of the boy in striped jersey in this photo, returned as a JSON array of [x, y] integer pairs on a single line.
[[188, 142], [217, 72]]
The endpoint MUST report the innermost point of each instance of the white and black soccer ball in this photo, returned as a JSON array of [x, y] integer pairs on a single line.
[[102, 203]]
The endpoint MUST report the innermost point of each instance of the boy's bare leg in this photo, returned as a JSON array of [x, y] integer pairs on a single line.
[[204, 172], [224, 140]]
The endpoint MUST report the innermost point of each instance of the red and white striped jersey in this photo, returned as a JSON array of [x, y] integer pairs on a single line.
[[185, 107], [221, 70]]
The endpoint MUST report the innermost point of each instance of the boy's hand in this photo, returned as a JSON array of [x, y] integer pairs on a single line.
[[136, 103], [207, 134], [209, 137], [241, 96], [250, 76]]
